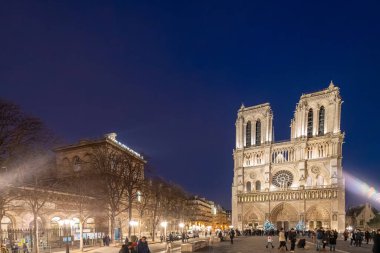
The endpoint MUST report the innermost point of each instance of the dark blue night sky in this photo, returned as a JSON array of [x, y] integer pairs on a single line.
[[169, 76]]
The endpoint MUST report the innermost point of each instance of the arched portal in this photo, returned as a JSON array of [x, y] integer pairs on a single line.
[[250, 220], [317, 217], [284, 216]]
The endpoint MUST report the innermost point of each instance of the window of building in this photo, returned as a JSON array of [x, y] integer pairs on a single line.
[[258, 132], [248, 186], [258, 186], [321, 123], [76, 164], [310, 123], [248, 134]]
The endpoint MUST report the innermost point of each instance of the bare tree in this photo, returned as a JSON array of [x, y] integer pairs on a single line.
[[86, 206], [37, 190], [133, 178], [143, 202], [22, 138], [108, 165]]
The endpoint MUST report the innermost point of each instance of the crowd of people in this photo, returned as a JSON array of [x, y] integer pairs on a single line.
[[324, 239], [135, 245]]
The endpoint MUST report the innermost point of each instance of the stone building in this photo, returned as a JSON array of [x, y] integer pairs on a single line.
[[59, 215], [299, 181], [360, 216]]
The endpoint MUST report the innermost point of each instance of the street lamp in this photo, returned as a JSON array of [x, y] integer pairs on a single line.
[[164, 224], [133, 224], [181, 225]]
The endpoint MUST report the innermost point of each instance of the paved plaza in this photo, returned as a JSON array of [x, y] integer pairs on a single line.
[[243, 244]]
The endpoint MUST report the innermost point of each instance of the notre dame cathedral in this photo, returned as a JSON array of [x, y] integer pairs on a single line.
[[290, 183]]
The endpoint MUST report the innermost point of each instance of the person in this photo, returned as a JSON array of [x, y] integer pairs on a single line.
[[108, 240], [352, 238], [282, 240], [345, 235], [376, 242], [142, 246], [232, 235], [367, 236], [220, 235], [14, 248], [332, 240], [319, 237], [270, 241], [292, 238], [161, 238], [25, 248], [124, 249], [359, 238]]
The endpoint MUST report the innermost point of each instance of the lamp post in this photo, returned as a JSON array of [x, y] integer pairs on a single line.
[[164, 224], [133, 224]]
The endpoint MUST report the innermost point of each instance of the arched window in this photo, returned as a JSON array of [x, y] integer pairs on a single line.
[[258, 186], [321, 123], [320, 181], [248, 134], [258, 132], [76, 164], [310, 123], [248, 187]]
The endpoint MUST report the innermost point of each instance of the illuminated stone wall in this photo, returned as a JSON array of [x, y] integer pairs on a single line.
[[287, 182]]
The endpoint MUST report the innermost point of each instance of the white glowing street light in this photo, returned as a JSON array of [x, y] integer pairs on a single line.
[[133, 224], [181, 225], [164, 224]]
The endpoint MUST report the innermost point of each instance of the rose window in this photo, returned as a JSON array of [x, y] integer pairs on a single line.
[[282, 178]]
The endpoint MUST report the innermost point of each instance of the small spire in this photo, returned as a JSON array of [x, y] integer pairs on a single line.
[[331, 86], [242, 106]]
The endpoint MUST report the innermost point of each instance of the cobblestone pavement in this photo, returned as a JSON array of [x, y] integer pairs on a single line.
[[256, 244], [242, 244]]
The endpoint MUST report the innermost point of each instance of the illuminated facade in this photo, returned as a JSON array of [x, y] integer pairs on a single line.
[[59, 215], [299, 181]]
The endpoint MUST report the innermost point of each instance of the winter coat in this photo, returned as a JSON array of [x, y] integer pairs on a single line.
[[281, 237], [142, 247], [376, 243]]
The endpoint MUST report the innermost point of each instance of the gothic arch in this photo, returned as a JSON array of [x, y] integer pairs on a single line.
[[253, 209], [248, 186], [310, 121], [284, 212], [317, 212]]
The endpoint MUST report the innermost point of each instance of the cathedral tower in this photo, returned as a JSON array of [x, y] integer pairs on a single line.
[[297, 182]]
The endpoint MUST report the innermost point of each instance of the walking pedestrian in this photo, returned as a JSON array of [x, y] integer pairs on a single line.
[[269, 241], [282, 240], [232, 235], [292, 238]]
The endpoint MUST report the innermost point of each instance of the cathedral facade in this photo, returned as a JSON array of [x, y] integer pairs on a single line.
[[295, 183]]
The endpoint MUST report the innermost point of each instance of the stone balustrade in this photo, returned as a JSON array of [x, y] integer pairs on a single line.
[[303, 194]]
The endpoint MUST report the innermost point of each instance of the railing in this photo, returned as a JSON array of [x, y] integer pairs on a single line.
[[290, 195]]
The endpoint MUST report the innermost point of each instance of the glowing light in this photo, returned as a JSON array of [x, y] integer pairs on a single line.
[[164, 224], [358, 186], [181, 225], [133, 223]]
